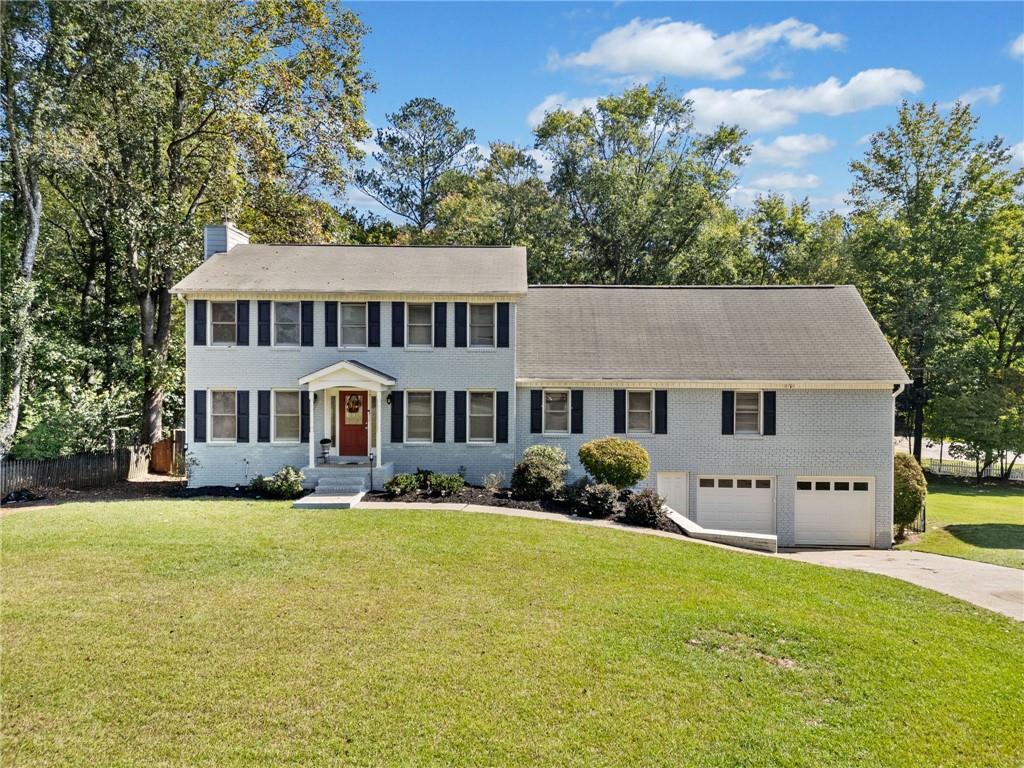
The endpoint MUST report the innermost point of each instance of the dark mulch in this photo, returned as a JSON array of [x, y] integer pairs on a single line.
[[471, 494]]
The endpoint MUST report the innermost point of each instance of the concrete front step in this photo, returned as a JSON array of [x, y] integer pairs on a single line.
[[352, 486], [331, 500]]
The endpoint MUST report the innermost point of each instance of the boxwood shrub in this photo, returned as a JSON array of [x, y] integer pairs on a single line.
[[616, 461], [599, 501], [445, 485], [644, 508], [286, 483], [401, 484], [541, 473], [910, 489]]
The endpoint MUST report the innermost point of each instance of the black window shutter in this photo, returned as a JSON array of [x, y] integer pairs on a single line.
[[620, 411], [242, 322], [242, 415], [263, 323], [304, 416], [440, 324], [576, 420], [728, 404], [501, 418], [439, 416], [397, 323], [502, 323], [397, 416], [768, 423], [330, 323], [460, 417], [661, 411], [307, 323], [536, 411], [373, 323], [460, 323], [199, 322], [199, 416], [263, 416]]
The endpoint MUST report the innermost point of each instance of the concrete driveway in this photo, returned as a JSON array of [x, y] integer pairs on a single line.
[[994, 587]]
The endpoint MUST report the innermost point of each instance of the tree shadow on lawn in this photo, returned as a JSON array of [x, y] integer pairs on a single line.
[[989, 535]]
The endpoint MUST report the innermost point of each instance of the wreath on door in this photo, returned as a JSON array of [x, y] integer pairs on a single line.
[[354, 404]]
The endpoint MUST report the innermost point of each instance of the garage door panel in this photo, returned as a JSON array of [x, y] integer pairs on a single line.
[[835, 511], [737, 503]]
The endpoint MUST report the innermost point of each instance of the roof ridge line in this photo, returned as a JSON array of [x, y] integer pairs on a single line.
[[823, 286]]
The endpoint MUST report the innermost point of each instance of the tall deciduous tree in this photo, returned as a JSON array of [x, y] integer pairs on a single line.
[[421, 143], [637, 180], [922, 195]]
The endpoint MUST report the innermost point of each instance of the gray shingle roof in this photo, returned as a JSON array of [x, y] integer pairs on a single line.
[[361, 269], [821, 333]]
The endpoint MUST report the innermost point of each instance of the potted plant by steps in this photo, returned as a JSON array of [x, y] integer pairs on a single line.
[[325, 449]]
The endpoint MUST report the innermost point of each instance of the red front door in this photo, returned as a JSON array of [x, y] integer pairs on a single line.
[[353, 424]]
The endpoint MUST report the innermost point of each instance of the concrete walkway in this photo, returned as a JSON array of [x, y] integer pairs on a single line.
[[993, 587]]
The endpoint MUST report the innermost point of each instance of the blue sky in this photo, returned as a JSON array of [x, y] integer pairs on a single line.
[[807, 80]]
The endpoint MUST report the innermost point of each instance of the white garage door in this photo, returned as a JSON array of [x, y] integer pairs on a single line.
[[673, 487], [736, 503], [835, 511]]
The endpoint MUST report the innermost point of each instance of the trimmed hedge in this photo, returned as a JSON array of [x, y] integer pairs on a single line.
[[616, 461], [644, 508], [541, 473], [446, 485], [599, 501], [910, 489], [401, 484]]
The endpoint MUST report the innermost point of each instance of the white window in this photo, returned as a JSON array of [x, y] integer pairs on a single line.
[[421, 325], [419, 417], [223, 415], [556, 411], [481, 417], [286, 323], [639, 411], [353, 325], [748, 413], [481, 325], [222, 322], [287, 419]]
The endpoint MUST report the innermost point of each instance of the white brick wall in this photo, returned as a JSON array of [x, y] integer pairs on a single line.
[[819, 432]]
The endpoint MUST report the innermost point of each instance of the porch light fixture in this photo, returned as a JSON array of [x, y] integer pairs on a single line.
[[388, 399]]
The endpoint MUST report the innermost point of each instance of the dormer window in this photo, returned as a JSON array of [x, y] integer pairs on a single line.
[[421, 325]]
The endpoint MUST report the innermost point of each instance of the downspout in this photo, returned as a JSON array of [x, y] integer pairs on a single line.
[[896, 392]]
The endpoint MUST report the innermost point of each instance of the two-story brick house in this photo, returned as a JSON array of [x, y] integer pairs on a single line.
[[766, 410]]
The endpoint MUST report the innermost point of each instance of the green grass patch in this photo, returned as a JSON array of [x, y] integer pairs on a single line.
[[975, 522], [246, 633]]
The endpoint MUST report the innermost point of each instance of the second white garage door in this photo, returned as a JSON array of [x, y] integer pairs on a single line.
[[835, 511], [736, 503]]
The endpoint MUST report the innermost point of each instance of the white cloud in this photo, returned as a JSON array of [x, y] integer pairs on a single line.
[[778, 73], [689, 49], [543, 161], [786, 181], [766, 109], [1017, 48], [790, 151], [557, 101], [986, 94], [1017, 153]]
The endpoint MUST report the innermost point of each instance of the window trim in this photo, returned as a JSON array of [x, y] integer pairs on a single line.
[[406, 414], [273, 416], [544, 413], [234, 323], [494, 326], [273, 325], [209, 419], [341, 326], [629, 393], [469, 416], [772, 481], [408, 325], [760, 412]]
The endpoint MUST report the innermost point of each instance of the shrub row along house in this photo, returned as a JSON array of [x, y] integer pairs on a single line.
[[764, 409]]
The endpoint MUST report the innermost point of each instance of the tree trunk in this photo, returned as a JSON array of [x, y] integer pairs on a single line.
[[155, 317], [918, 386]]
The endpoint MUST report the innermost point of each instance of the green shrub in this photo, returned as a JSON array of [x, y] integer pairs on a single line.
[[423, 479], [644, 508], [616, 461], [401, 484], [572, 492], [541, 473], [910, 490], [599, 501], [446, 485], [286, 483]]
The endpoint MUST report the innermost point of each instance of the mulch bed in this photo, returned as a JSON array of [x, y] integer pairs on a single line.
[[471, 494]]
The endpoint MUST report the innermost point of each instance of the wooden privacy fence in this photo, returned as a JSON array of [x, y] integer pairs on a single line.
[[962, 468], [83, 470]]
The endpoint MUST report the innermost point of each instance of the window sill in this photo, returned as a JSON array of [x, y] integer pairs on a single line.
[[556, 435], [482, 349], [748, 436], [482, 443], [351, 347], [222, 442], [416, 348], [285, 347], [419, 443], [286, 442]]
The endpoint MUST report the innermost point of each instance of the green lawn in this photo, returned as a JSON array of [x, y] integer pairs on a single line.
[[983, 523], [235, 633]]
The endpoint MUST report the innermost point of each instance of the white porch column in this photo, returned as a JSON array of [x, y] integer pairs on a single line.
[[312, 429], [378, 415]]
